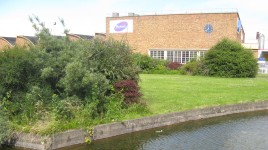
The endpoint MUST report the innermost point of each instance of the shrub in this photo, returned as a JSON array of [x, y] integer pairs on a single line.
[[114, 109], [150, 65], [56, 78], [113, 59], [147, 63], [174, 65], [230, 59], [17, 70], [5, 130], [129, 89], [194, 67], [144, 62]]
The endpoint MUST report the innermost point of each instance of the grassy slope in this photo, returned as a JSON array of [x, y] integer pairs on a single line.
[[169, 93]]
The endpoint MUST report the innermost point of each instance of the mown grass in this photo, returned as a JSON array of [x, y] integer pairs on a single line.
[[170, 93]]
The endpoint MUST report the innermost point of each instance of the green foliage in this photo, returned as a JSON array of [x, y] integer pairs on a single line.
[[17, 70], [144, 62], [66, 108], [114, 107], [150, 65], [59, 80], [194, 67], [5, 129], [113, 59], [229, 59], [88, 139]]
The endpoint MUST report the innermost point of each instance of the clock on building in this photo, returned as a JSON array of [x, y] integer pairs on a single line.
[[208, 28]]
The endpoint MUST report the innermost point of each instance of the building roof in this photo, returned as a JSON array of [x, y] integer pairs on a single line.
[[33, 39], [11, 40], [176, 12], [87, 37]]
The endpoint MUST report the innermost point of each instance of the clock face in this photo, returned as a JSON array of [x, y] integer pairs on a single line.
[[208, 28]]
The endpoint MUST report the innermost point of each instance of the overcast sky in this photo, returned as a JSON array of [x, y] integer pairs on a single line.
[[88, 16]]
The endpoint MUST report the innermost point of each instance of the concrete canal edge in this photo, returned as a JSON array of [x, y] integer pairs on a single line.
[[73, 137]]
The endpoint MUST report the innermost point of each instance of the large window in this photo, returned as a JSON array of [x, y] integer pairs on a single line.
[[157, 54], [180, 56]]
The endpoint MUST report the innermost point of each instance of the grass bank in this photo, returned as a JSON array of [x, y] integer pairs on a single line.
[[170, 93]]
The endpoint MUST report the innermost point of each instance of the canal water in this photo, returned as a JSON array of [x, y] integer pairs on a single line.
[[245, 131]]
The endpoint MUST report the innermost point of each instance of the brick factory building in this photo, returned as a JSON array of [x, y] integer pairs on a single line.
[[175, 37], [8, 42]]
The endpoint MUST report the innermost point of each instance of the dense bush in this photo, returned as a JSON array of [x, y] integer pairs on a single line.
[[229, 59], [5, 130], [144, 62], [57, 78], [150, 65], [129, 89], [192, 68], [174, 65], [17, 70]]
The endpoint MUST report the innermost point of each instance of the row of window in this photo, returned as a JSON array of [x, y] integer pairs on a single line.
[[180, 56]]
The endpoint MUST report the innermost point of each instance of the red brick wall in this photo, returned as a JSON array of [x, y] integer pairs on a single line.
[[4, 44], [73, 37], [179, 31], [22, 41]]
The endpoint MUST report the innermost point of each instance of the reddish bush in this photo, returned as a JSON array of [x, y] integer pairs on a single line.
[[174, 65], [129, 89]]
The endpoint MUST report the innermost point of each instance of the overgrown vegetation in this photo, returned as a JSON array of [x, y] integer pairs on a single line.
[[226, 59], [150, 65], [60, 84], [5, 130]]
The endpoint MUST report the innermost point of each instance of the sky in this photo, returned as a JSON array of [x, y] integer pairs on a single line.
[[88, 16]]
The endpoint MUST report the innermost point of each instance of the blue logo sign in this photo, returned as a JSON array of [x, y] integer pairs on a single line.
[[121, 26], [239, 26]]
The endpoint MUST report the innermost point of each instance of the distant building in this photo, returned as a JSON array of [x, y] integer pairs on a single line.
[[100, 36], [26, 40], [7, 42], [175, 37], [75, 37]]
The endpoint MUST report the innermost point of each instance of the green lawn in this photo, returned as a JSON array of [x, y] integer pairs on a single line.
[[170, 93]]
